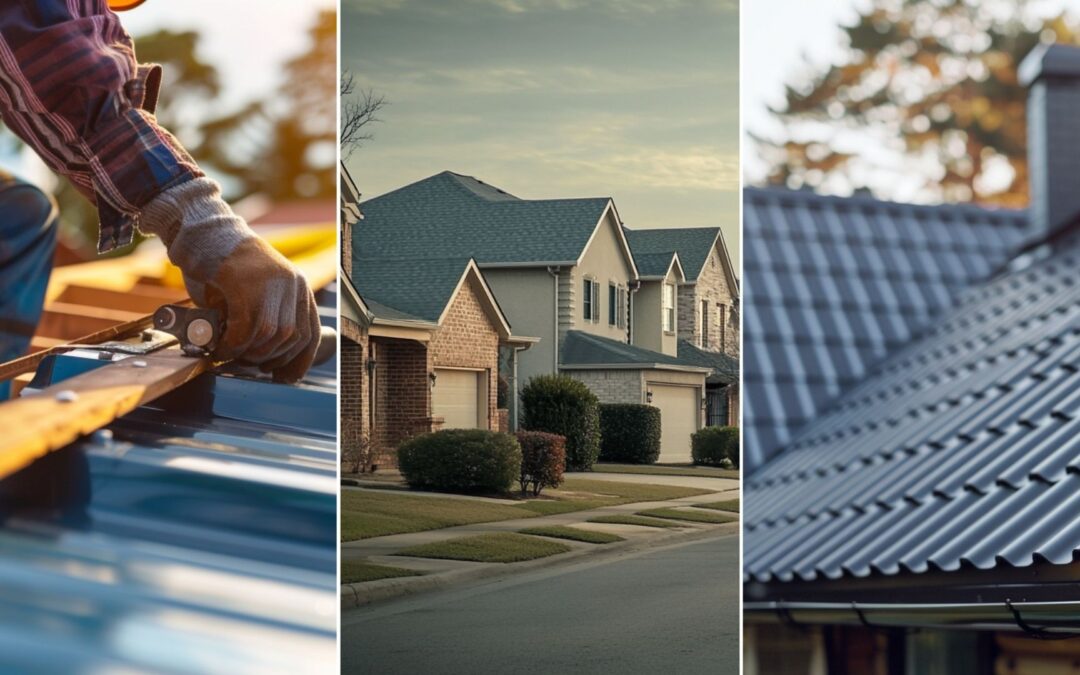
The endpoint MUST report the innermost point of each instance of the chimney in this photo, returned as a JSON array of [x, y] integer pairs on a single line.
[[1051, 72]]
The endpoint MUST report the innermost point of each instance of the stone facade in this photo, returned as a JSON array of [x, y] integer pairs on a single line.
[[611, 386], [712, 287]]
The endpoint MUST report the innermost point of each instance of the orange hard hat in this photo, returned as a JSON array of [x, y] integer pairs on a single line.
[[121, 5]]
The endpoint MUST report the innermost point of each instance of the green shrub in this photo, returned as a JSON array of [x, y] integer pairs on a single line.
[[629, 433], [543, 460], [559, 404], [712, 445], [461, 460]]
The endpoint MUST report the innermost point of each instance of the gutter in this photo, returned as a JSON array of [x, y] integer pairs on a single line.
[[554, 270], [1046, 620]]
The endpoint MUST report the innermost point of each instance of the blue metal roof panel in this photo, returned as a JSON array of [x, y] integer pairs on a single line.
[[194, 535]]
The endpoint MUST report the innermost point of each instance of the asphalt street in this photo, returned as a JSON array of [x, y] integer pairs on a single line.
[[667, 610]]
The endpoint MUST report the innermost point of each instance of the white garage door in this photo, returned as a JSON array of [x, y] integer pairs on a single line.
[[679, 410], [456, 397]]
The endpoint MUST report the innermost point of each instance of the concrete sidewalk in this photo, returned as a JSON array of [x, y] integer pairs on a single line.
[[441, 573]]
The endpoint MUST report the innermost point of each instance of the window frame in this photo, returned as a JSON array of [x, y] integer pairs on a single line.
[[669, 310]]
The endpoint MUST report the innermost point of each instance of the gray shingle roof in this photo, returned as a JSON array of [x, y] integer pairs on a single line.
[[585, 349], [653, 264], [457, 216], [725, 368], [835, 285], [961, 449], [407, 289], [693, 245]]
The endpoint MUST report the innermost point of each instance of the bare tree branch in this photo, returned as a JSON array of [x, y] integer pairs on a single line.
[[359, 110]]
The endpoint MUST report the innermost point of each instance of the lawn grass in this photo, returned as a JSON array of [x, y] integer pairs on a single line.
[[668, 470], [503, 547], [358, 571], [691, 516], [573, 534], [368, 513], [731, 505], [634, 520]]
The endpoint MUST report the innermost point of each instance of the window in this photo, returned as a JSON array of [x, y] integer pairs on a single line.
[[590, 302], [704, 320], [669, 308], [624, 302], [721, 324], [613, 305]]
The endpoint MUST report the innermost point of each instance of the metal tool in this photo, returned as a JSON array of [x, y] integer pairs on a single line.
[[198, 329]]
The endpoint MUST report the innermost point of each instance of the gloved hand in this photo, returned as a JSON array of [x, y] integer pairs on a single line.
[[271, 319]]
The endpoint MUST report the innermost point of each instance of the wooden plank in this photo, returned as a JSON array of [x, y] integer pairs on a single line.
[[141, 298], [39, 423], [68, 322]]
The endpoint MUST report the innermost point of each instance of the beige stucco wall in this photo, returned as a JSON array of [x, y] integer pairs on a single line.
[[605, 260], [648, 323], [527, 298]]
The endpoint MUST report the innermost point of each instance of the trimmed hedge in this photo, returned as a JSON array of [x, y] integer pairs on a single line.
[[559, 404], [630, 433], [543, 460], [712, 445], [461, 460]]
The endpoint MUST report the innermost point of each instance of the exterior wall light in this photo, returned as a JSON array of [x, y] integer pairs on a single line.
[[432, 376], [648, 396]]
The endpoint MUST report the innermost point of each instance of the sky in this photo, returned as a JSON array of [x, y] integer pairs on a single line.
[[631, 99]]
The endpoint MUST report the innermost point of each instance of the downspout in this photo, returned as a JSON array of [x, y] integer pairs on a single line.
[[554, 272], [635, 286]]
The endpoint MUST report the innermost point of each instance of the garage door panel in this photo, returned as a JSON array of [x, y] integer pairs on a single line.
[[456, 399], [679, 412]]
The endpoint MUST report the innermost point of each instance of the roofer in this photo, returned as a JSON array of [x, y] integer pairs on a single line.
[[70, 87]]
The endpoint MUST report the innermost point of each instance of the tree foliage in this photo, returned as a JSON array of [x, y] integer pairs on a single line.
[[931, 81]]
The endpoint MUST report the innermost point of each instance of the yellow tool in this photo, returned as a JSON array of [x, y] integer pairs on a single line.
[[123, 5]]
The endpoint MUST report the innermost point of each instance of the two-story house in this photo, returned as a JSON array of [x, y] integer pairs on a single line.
[[686, 274], [561, 270]]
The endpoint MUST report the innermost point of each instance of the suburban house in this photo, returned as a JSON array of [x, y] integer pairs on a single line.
[[561, 270], [913, 420], [688, 271], [420, 346]]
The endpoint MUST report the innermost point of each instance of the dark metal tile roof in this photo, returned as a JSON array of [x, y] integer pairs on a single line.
[[725, 368], [961, 449], [653, 264], [194, 535], [455, 216], [835, 285], [693, 245]]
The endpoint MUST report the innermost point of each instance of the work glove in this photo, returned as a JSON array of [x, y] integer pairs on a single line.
[[271, 319]]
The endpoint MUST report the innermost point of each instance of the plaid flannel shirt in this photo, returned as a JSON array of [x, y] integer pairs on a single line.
[[71, 88]]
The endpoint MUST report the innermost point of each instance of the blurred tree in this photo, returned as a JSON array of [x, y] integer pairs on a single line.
[[932, 80], [284, 147]]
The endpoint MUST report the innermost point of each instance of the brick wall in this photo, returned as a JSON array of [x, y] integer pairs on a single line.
[[712, 286], [611, 386], [402, 394], [353, 400], [468, 339]]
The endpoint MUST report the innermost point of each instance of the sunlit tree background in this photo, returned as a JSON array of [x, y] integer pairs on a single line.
[[276, 145], [922, 90]]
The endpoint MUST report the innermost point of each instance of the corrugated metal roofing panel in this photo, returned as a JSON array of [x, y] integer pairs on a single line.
[[194, 535], [836, 285], [962, 449]]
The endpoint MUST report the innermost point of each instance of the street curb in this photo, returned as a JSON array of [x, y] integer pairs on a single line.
[[358, 595]]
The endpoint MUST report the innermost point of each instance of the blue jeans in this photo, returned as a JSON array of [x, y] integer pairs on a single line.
[[28, 222]]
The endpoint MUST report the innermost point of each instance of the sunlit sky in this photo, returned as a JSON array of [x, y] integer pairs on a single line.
[[632, 99]]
